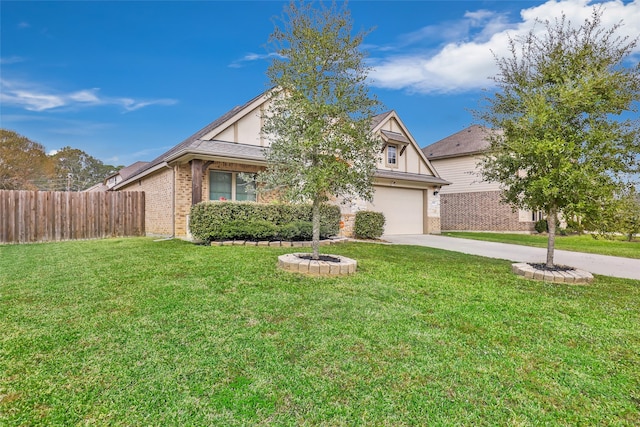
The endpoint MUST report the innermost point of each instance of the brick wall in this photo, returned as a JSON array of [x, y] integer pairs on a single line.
[[158, 190], [479, 211], [183, 188], [183, 197]]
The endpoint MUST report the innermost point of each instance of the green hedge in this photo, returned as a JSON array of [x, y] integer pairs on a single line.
[[211, 221], [368, 225]]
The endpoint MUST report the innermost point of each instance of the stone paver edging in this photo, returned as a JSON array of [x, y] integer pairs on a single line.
[[287, 244], [570, 276], [295, 264]]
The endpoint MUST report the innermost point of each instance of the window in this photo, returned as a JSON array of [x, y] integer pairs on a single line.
[[245, 190], [392, 155], [230, 186]]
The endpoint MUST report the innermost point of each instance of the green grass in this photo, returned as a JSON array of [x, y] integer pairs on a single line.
[[136, 332], [577, 243]]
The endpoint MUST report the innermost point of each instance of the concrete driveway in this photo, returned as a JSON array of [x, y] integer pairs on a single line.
[[597, 264]]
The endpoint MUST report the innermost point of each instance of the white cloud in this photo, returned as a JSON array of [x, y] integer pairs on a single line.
[[11, 60], [249, 57], [465, 61], [33, 97]]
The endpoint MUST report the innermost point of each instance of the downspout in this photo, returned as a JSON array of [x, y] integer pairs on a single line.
[[173, 204]]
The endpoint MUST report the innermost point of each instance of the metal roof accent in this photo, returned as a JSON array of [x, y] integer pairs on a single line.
[[387, 135]]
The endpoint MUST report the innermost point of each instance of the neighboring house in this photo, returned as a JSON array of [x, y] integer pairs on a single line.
[[113, 179], [208, 166], [471, 204]]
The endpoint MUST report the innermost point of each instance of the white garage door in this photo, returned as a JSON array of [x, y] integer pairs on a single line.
[[402, 208]]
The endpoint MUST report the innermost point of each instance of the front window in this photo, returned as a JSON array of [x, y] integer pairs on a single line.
[[245, 190], [220, 186], [391, 155], [225, 186]]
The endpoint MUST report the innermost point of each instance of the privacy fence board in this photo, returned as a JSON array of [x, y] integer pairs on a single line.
[[40, 216]]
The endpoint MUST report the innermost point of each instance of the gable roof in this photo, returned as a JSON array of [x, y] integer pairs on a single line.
[[192, 143], [378, 121], [472, 140], [127, 171], [195, 145]]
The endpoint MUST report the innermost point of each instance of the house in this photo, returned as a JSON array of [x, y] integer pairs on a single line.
[[213, 163], [469, 203], [110, 181]]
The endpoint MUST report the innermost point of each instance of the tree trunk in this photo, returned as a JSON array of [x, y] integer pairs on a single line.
[[551, 241], [315, 219]]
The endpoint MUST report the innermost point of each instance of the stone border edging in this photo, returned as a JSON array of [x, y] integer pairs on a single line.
[[295, 264], [278, 243], [571, 276]]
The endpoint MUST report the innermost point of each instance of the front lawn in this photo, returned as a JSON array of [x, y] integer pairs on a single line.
[[578, 243], [137, 332]]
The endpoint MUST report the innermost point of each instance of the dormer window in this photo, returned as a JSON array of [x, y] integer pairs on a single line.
[[395, 145], [392, 155]]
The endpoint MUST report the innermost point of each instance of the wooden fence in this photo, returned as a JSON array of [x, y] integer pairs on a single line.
[[40, 216]]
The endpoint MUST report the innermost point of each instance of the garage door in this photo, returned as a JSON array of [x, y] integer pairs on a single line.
[[402, 208]]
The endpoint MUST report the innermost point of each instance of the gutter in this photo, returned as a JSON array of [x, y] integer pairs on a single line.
[[141, 175]]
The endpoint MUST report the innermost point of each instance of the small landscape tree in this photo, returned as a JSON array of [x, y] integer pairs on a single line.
[[319, 120], [564, 146]]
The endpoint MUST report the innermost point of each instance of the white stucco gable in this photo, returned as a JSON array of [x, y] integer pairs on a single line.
[[409, 156]]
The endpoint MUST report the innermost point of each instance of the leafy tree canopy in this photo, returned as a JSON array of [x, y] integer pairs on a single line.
[[319, 120], [75, 170], [23, 162], [564, 144], [24, 165]]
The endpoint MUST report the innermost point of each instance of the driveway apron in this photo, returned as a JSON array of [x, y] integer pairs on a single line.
[[626, 268]]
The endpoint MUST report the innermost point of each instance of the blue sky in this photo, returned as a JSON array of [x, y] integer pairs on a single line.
[[125, 81]]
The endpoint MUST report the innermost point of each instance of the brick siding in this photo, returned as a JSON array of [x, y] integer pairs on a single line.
[[479, 211], [158, 190]]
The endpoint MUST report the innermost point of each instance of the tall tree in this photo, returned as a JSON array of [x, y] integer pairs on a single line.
[[566, 146], [76, 170], [319, 121], [23, 163]]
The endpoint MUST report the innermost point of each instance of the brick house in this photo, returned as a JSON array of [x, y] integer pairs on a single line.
[[469, 203], [208, 166]]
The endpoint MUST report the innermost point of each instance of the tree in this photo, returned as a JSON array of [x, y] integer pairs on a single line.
[[319, 120], [76, 170], [620, 216], [23, 163], [565, 145]]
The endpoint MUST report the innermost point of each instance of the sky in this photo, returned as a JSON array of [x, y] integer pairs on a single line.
[[125, 81]]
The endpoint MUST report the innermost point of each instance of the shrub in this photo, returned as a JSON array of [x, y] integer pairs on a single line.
[[368, 225], [304, 230], [262, 230], [289, 231], [541, 226], [247, 220]]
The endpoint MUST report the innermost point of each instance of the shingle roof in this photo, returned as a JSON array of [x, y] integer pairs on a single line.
[[471, 140], [194, 140], [128, 171], [226, 149], [376, 120]]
